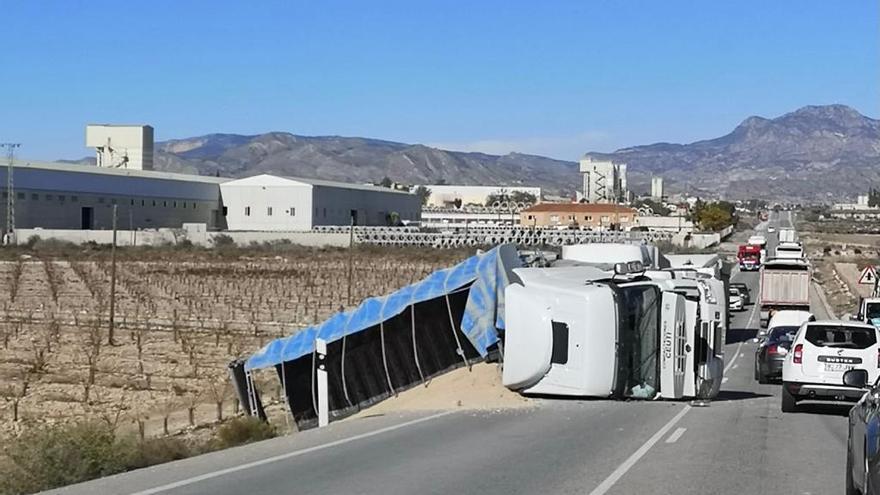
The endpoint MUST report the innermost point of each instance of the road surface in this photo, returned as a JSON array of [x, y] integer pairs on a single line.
[[740, 444]]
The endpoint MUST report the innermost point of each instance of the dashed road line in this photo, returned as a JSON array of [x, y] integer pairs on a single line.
[[676, 435], [631, 461]]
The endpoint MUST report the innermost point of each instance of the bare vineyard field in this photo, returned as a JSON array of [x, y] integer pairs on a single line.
[[180, 318]]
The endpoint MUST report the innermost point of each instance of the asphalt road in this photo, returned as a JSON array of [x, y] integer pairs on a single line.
[[739, 444]]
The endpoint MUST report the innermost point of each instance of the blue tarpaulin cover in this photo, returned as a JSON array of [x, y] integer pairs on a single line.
[[483, 314]]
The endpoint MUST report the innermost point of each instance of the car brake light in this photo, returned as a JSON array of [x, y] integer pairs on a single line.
[[798, 354], [772, 350], [878, 358]]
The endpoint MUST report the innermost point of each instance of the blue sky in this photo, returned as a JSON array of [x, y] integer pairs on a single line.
[[552, 78]]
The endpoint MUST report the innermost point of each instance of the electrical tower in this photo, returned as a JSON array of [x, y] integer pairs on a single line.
[[10, 193]]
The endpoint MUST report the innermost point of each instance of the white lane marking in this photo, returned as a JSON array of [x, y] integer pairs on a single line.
[[676, 435], [754, 310], [296, 453], [735, 366], [733, 359], [724, 380], [638, 454]]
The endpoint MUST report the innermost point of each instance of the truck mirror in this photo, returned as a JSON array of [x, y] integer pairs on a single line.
[[857, 378]]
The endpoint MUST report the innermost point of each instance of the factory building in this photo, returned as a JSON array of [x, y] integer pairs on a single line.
[[121, 146], [604, 181], [75, 196], [657, 188], [272, 203]]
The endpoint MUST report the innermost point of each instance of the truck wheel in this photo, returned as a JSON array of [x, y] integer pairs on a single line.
[[789, 404]]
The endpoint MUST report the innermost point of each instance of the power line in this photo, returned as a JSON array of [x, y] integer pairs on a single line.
[[10, 193]]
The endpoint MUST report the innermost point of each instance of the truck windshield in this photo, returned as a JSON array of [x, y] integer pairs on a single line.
[[639, 340]]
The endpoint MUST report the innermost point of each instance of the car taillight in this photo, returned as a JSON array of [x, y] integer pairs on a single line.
[[878, 358], [772, 349], [798, 354]]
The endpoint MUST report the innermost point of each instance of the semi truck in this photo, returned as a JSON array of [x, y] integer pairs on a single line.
[[787, 235], [620, 333], [748, 256], [785, 284], [789, 250]]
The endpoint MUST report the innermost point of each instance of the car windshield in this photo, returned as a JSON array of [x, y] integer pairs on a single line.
[[872, 311], [637, 374], [782, 335], [841, 336]]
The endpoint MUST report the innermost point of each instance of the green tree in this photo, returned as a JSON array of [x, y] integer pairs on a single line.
[[655, 206], [424, 193], [386, 182], [714, 217], [513, 196], [874, 198]]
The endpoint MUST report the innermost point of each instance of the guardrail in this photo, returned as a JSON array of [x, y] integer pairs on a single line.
[[491, 236]]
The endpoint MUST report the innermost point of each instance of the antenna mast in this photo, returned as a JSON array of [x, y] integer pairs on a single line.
[[10, 193]]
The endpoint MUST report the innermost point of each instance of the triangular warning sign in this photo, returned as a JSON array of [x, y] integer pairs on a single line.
[[868, 275]]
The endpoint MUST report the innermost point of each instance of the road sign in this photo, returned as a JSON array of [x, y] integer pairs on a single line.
[[868, 275]]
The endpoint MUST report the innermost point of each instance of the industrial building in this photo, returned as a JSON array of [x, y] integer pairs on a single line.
[[443, 195], [64, 196], [657, 188], [75, 196], [579, 215], [272, 203], [604, 181]]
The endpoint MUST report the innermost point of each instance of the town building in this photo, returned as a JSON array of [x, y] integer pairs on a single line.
[[444, 195], [579, 215], [657, 188], [604, 181]]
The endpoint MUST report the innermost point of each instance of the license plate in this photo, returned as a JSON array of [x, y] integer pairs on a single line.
[[838, 367]]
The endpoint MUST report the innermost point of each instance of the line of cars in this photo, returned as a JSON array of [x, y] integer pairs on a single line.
[[828, 360]]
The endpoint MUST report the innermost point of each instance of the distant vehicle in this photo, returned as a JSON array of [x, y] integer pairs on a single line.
[[779, 335], [758, 240], [785, 285], [821, 352], [869, 311], [743, 291], [771, 230], [749, 257], [735, 301], [788, 235], [863, 432], [789, 250]]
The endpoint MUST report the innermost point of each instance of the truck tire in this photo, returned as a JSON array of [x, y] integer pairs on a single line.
[[789, 403]]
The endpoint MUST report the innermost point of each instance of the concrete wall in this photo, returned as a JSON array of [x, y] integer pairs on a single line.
[[172, 236], [247, 206]]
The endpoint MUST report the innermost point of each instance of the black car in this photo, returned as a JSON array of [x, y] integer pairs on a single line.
[[744, 291], [862, 452], [771, 353]]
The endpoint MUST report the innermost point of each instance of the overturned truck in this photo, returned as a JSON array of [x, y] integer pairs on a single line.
[[387, 344]]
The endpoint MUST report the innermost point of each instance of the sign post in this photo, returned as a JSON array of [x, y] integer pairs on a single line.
[[868, 275], [321, 373]]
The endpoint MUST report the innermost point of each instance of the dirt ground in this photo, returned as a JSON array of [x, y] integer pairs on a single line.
[[180, 319], [837, 260], [477, 388]]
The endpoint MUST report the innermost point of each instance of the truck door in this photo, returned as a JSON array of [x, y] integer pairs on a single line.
[[673, 354]]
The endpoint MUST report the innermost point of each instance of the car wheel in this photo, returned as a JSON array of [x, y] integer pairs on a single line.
[[757, 373], [789, 404], [762, 379], [850, 486]]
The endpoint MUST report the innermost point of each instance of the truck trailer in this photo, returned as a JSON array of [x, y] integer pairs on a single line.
[[785, 284]]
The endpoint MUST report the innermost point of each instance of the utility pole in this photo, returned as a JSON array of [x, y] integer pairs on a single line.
[[10, 193], [112, 281], [351, 253]]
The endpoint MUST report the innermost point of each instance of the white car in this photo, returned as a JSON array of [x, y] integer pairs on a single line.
[[786, 318], [822, 351], [735, 300]]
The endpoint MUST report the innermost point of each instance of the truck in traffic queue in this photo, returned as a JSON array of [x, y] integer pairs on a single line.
[[787, 235], [785, 284], [748, 256], [622, 333]]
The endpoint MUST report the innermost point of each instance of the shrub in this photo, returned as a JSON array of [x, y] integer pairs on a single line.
[[156, 451], [223, 240], [826, 249], [857, 251], [50, 457], [241, 430]]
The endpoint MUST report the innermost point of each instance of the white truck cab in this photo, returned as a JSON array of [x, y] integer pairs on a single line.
[[869, 311], [789, 250], [583, 331]]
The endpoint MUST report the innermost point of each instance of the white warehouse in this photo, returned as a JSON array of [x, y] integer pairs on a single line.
[[73, 196]]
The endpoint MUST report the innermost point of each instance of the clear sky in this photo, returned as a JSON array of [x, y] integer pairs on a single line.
[[545, 77]]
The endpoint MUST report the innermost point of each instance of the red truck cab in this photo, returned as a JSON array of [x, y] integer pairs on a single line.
[[749, 257]]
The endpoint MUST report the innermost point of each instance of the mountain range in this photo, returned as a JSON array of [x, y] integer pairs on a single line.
[[813, 153]]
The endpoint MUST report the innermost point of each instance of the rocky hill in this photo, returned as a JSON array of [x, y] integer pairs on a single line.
[[816, 152]]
